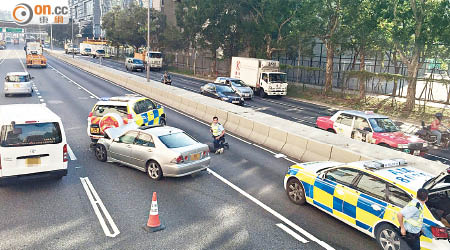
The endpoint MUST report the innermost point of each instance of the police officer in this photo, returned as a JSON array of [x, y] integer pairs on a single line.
[[411, 221], [218, 133]]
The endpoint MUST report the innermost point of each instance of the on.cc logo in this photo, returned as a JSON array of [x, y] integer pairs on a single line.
[[22, 13]]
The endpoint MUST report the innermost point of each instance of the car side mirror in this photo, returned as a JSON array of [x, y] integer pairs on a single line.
[[367, 129]]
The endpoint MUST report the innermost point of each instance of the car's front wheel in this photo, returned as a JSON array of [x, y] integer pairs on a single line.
[[295, 191], [162, 122], [388, 237], [154, 171], [100, 153]]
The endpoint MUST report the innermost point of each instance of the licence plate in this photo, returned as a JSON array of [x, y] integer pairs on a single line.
[[195, 157], [33, 161], [95, 130], [416, 152], [16, 85], [235, 101]]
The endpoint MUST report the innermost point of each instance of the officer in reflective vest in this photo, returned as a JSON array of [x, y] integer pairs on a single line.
[[218, 133], [411, 221]]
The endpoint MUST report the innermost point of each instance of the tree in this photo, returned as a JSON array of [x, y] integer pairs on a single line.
[[412, 28], [268, 21]]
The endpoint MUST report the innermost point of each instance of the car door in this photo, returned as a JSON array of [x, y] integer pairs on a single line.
[[144, 109], [343, 124], [372, 201], [344, 197], [143, 150], [361, 130], [121, 147]]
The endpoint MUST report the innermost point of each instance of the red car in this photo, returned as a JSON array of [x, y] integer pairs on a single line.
[[372, 128]]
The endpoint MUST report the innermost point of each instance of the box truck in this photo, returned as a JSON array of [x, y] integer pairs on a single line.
[[262, 75]]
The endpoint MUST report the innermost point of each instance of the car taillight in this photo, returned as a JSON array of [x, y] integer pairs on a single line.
[[65, 154], [130, 116], [206, 153], [177, 160], [0, 162], [90, 114], [439, 232]]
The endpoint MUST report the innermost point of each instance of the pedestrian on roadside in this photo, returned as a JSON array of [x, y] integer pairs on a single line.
[[218, 133], [435, 128], [410, 219]]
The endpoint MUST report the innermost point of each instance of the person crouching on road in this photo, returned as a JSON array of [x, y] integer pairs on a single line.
[[411, 221], [218, 133]]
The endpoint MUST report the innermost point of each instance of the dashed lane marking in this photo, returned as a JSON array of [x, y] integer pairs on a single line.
[[270, 210]]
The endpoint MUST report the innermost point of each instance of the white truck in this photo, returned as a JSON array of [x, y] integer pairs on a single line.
[[262, 75], [85, 49], [155, 60]]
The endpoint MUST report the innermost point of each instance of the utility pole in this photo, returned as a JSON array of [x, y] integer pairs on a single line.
[[148, 40], [51, 36]]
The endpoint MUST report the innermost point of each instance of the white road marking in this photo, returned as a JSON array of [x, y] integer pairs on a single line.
[[71, 154], [292, 233], [39, 96], [270, 210], [263, 148], [42, 100], [72, 81], [23, 66], [97, 204], [280, 156], [439, 157]]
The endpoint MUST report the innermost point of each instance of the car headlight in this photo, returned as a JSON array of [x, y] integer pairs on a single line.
[[425, 145], [225, 98], [402, 146], [242, 98]]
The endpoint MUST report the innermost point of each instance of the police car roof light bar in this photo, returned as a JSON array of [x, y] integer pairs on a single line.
[[380, 164]]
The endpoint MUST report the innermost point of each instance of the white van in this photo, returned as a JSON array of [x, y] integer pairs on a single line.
[[18, 83], [32, 142]]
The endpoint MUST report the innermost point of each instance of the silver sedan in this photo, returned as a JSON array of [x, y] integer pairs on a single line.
[[158, 151]]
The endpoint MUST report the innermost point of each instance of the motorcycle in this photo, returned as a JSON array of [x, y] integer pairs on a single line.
[[166, 80], [425, 134]]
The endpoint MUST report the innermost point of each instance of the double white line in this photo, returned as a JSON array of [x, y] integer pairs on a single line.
[[97, 204]]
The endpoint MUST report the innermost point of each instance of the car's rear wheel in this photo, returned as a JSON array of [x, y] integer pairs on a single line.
[[388, 237], [295, 191], [162, 122], [100, 153], [154, 171], [262, 94], [331, 130]]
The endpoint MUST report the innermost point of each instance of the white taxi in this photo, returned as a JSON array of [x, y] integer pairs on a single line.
[[18, 83], [367, 195]]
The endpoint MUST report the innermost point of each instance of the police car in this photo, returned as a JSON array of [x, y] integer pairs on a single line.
[[123, 110], [367, 195]]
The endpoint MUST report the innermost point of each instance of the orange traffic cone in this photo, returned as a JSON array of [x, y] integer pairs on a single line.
[[153, 223]]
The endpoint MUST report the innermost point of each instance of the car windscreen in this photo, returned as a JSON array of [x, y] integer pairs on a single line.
[[137, 61], [18, 78], [238, 83], [101, 110], [30, 134], [224, 89], [177, 140], [87, 50], [383, 125], [277, 77]]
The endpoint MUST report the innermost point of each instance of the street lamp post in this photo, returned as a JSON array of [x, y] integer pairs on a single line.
[[73, 53], [148, 40], [51, 36]]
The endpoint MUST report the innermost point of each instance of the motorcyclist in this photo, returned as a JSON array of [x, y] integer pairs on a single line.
[[435, 128], [218, 134]]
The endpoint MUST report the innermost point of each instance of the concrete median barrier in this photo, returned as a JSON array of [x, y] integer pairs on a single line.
[[343, 155], [259, 133], [295, 146], [317, 151], [295, 140], [245, 127], [232, 122], [276, 139]]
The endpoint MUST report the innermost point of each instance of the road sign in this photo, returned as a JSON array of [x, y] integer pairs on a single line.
[[14, 30]]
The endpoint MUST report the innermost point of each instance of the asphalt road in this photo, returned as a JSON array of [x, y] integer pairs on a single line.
[[286, 108], [240, 204]]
